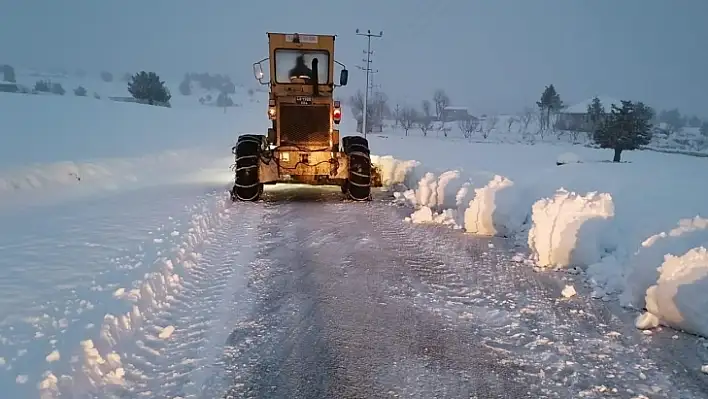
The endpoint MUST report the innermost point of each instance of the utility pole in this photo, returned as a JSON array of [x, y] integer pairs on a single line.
[[372, 86], [368, 35]]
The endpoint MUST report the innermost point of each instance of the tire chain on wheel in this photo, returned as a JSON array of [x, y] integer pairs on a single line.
[[247, 186], [359, 178]]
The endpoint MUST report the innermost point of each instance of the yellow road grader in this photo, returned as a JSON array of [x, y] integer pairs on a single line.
[[303, 143]]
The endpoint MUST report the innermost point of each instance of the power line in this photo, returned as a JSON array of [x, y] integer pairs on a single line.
[[367, 69]]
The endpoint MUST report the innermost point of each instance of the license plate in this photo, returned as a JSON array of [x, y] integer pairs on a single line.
[[303, 100]]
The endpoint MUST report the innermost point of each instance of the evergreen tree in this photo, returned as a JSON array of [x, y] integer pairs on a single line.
[[223, 100], [673, 120], [596, 114], [550, 102], [147, 86], [704, 129], [625, 128], [694, 121]]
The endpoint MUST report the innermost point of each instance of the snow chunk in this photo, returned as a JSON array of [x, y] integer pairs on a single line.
[[394, 171], [570, 229], [646, 321], [568, 291], [166, 332], [53, 357], [494, 209], [704, 369], [679, 298], [642, 271]]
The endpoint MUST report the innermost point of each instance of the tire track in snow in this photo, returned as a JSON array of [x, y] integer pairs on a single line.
[[572, 347], [190, 361]]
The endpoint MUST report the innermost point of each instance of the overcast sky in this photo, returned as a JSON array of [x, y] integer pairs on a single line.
[[491, 55]]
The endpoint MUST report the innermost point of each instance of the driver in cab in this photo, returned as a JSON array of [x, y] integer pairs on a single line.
[[301, 70]]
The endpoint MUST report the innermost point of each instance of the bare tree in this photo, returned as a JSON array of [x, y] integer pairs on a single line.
[[441, 100], [509, 122], [541, 117], [425, 121], [468, 126], [490, 124], [377, 108], [409, 117], [526, 118], [397, 114]]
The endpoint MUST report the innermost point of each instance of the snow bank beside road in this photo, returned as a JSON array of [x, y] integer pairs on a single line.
[[597, 223], [668, 276], [76, 179], [100, 361], [644, 263], [678, 299]]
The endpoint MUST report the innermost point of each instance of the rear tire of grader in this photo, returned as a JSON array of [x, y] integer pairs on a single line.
[[247, 186], [358, 184]]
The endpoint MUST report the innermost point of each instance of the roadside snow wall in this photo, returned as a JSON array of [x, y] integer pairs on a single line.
[[570, 229], [668, 275]]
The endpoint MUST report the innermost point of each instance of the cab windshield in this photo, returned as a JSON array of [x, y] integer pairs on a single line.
[[295, 66]]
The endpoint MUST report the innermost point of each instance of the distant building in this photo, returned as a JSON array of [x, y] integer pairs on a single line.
[[451, 114], [8, 87], [576, 117]]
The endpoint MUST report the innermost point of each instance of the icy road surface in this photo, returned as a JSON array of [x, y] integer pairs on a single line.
[[345, 300], [305, 295]]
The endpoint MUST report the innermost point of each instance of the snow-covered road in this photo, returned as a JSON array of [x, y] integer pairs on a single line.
[[346, 300], [302, 295]]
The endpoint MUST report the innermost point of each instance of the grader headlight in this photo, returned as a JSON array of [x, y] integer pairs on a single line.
[[271, 109]]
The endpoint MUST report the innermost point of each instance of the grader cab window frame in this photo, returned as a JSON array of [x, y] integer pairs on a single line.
[[259, 74], [324, 77]]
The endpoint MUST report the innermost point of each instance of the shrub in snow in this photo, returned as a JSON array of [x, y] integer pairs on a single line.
[[58, 89], [570, 229], [642, 270], [106, 76], [80, 91], [148, 87], [679, 299], [568, 157], [8, 73]]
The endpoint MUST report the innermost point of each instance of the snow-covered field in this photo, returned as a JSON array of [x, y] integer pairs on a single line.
[[94, 277]]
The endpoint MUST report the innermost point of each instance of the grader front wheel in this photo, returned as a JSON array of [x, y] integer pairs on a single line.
[[247, 186]]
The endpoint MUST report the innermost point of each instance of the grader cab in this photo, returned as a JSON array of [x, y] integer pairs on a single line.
[[303, 144]]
